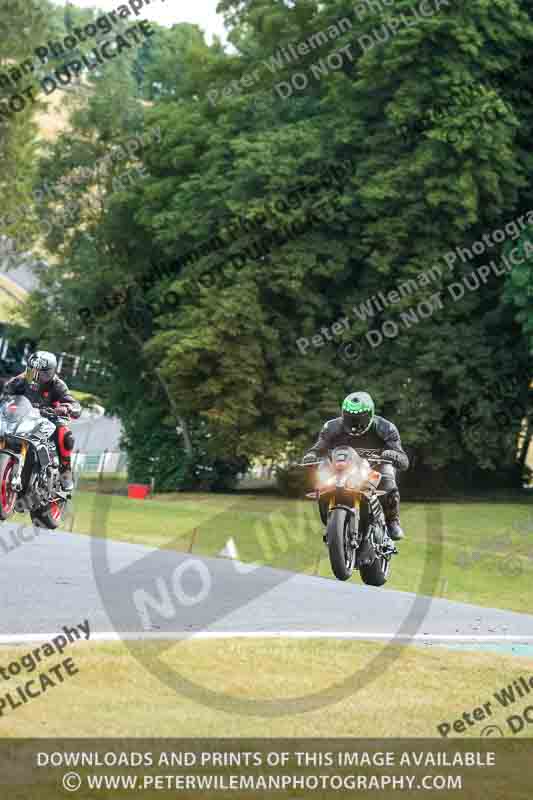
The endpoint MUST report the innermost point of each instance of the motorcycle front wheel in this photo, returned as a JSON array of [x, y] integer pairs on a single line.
[[8, 497], [341, 552]]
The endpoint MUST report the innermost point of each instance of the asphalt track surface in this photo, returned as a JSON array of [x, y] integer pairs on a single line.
[[49, 581]]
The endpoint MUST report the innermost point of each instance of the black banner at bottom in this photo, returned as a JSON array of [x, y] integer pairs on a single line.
[[489, 769]]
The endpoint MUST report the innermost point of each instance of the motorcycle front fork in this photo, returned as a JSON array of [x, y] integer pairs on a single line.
[[16, 482], [354, 528]]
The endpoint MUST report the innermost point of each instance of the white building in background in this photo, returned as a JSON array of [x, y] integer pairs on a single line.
[[102, 461]]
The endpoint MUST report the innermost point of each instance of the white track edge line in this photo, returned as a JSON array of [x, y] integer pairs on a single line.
[[112, 636]]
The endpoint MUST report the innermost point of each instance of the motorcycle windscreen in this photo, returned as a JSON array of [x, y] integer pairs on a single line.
[[348, 463], [17, 416], [344, 457]]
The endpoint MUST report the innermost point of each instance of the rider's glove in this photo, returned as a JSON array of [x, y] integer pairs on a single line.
[[309, 458], [399, 460], [62, 411]]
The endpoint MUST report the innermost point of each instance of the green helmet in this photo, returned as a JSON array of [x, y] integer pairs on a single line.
[[357, 413]]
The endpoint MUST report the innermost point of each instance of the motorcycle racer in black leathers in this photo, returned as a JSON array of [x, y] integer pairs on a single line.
[[40, 384], [360, 428]]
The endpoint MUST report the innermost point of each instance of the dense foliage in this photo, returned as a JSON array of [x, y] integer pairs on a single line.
[[231, 150], [17, 130]]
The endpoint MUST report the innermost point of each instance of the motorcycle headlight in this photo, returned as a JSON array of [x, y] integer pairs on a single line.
[[358, 476], [325, 476], [8, 425]]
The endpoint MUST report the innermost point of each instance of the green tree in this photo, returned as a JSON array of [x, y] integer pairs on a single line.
[[227, 349], [24, 25]]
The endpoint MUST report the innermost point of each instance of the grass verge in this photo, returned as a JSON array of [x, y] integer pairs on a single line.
[[114, 695], [486, 550]]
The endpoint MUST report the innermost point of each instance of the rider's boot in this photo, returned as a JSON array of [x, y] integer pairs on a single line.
[[391, 507], [67, 482]]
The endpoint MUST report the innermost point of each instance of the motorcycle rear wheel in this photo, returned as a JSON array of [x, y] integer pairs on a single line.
[[8, 497], [50, 517], [377, 573], [341, 553]]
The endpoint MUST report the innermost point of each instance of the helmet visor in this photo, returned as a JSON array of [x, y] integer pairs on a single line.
[[32, 376], [356, 423], [35, 377]]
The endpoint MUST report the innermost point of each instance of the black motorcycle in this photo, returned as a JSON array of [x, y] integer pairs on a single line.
[[356, 531], [29, 463]]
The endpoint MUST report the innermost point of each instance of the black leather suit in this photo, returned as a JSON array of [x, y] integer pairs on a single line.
[[382, 435]]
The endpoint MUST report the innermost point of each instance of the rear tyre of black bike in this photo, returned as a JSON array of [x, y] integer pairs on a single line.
[[377, 573]]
